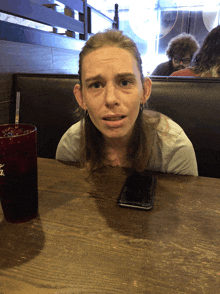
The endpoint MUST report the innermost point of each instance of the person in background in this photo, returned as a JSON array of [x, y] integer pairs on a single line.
[[113, 129], [180, 51], [206, 63]]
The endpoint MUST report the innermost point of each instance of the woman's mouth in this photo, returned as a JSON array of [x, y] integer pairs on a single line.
[[115, 121], [114, 118]]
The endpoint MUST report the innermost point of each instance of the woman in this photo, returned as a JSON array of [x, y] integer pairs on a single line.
[[113, 129], [206, 63]]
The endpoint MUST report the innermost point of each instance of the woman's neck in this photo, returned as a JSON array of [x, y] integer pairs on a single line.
[[116, 152]]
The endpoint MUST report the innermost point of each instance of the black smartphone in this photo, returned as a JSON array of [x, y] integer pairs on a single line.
[[138, 191]]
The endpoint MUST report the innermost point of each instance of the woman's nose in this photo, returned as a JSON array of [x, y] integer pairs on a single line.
[[110, 96]]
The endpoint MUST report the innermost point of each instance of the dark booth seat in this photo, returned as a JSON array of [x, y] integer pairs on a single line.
[[48, 102], [193, 103]]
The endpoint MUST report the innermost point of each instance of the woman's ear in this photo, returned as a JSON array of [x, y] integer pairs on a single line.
[[147, 90], [79, 97]]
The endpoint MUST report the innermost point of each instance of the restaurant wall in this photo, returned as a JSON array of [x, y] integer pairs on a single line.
[[19, 57]]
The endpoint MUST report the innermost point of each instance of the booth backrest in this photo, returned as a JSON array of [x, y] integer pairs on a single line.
[[193, 103], [6, 98], [47, 101]]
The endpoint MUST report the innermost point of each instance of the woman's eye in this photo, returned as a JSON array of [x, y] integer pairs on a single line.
[[95, 85], [125, 83]]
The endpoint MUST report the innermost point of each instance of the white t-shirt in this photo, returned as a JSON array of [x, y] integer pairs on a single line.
[[173, 151]]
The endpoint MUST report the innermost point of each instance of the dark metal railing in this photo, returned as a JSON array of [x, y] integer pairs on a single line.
[[44, 11]]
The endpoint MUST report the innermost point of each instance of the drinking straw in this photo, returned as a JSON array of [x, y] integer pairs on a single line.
[[17, 107]]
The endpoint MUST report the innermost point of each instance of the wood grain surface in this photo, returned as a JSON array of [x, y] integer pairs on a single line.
[[82, 242], [18, 57]]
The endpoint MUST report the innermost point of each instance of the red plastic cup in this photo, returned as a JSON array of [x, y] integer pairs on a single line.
[[18, 172]]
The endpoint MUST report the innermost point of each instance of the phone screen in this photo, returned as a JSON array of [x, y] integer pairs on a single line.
[[138, 192]]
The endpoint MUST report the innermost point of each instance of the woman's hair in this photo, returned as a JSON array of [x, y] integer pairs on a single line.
[[182, 45], [139, 151], [92, 142], [110, 38], [207, 60]]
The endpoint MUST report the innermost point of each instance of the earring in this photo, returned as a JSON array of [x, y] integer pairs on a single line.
[[86, 113]]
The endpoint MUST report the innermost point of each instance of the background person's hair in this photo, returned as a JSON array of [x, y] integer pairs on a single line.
[[110, 38], [207, 60], [182, 45]]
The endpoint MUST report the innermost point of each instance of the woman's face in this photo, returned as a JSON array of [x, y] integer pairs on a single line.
[[112, 91]]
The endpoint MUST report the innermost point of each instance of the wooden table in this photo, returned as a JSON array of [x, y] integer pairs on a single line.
[[82, 242]]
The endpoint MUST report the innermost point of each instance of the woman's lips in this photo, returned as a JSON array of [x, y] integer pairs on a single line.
[[114, 118], [114, 121]]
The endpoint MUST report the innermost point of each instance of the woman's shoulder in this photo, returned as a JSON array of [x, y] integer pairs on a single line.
[[173, 150], [163, 125], [75, 128], [72, 133], [68, 147]]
